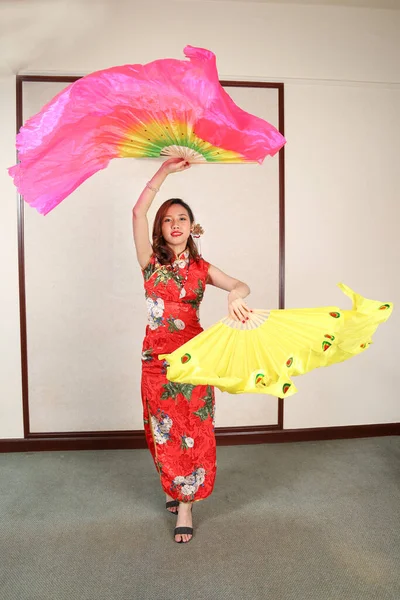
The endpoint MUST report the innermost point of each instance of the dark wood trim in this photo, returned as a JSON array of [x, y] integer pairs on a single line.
[[21, 276], [76, 441], [72, 78], [226, 436], [20, 79], [282, 224], [255, 84], [129, 439], [281, 403], [274, 434], [250, 429], [281, 128], [50, 78], [281, 168]]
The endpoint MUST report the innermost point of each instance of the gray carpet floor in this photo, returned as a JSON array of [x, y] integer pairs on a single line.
[[316, 520]]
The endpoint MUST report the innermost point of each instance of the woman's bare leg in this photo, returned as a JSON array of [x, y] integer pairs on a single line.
[[184, 520]]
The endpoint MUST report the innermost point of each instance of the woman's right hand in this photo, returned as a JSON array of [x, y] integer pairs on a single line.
[[174, 165]]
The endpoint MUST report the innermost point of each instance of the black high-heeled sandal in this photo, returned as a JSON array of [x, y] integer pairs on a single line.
[[184, 530], [172, 504], [181, 531]]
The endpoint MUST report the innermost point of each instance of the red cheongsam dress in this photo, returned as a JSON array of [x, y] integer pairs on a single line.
[[178, 418]]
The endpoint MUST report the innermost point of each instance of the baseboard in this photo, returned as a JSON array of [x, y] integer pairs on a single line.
[[226, 436]]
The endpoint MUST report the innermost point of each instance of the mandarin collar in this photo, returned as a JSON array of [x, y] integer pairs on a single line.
[[183, 255]]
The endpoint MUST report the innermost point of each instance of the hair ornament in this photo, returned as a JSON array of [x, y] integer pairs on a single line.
[[197, 230]]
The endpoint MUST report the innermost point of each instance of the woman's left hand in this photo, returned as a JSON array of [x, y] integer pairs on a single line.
[[237, 307]]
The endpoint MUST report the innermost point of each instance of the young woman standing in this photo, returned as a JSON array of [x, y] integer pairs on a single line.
[[178, 418]]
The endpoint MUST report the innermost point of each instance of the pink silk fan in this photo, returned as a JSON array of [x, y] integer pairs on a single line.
[[164, 108]]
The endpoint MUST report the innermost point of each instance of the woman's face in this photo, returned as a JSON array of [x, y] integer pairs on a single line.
[[176, 226]]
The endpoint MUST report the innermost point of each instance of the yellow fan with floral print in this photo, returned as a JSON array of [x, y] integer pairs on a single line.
[[264, 354]]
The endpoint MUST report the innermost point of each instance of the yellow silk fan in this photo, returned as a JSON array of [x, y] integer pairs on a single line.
[[262, 355]]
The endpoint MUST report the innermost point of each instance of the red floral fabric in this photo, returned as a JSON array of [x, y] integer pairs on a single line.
[[178, 418]]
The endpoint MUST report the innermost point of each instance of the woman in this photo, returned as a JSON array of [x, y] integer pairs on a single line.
[[178, 418]]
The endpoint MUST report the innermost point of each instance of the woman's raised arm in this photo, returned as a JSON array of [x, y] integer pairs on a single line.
[[140, 222]]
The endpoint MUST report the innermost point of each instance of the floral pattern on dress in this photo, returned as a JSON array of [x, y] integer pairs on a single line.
[[185, 453], [147, 355], [175, 325], [182, 262], [187, 442], [208, 409], [188, 486], [172, 390], [166, 273], [161, 427], [155, 312], [199, 293]]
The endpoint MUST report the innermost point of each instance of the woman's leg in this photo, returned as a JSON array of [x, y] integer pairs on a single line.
[[179, 425], [181, 422], [146, 419]]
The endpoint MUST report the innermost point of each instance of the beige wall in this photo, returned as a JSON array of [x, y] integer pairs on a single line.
[[84, 290], [10, 369], [342, 122]]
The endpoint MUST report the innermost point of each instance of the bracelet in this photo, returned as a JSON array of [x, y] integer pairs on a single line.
[[153, 189]]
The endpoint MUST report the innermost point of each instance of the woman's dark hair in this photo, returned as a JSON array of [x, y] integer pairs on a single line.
[[163, 252]]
